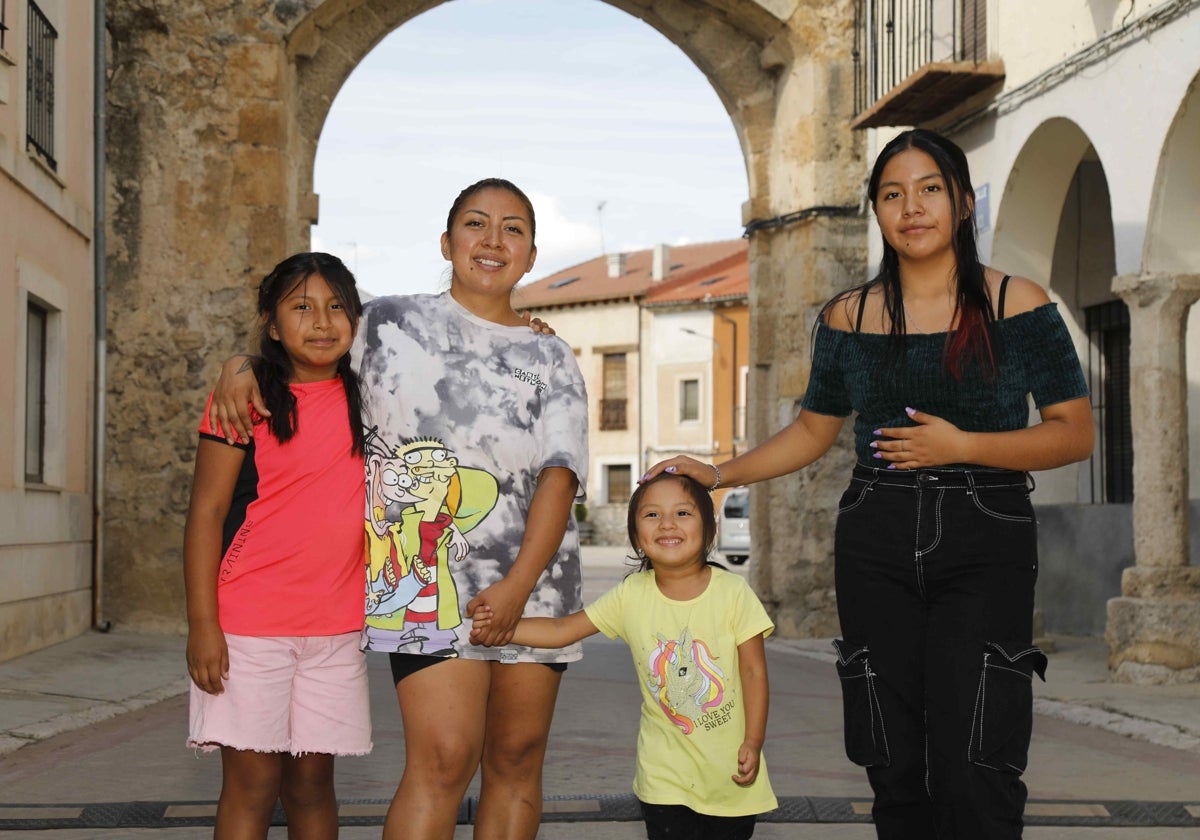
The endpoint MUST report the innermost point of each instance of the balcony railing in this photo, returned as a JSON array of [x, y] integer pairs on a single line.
[[917, 59], [39, 86]]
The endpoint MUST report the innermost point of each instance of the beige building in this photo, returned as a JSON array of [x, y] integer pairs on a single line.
[[650, 367], [47, 284], [1082, 125]]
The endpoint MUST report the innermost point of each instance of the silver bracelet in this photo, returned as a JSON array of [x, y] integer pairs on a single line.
[[716, 483]]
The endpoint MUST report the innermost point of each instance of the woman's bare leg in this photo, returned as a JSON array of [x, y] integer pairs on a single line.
[[520, 709], [443, 708]]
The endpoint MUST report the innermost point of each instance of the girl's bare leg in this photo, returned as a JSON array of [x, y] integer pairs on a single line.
[[443, 708], [308, 797], [520, 709], [249, 789]]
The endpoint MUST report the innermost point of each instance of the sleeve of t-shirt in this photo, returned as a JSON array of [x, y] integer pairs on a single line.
[[826, 393], [564, 425], [606, 611], [749, 614], [206, 429], [1051, 362]]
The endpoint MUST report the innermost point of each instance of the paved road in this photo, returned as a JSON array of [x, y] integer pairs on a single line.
[[1078, 773]]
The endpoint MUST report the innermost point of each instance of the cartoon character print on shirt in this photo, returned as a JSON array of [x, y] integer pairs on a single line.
[[687, 683], [420, 505]]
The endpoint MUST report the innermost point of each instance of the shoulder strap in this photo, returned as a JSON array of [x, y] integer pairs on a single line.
[[862, 305], [1003, 291]]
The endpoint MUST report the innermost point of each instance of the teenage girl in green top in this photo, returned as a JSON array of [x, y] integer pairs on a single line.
[[936, 546]]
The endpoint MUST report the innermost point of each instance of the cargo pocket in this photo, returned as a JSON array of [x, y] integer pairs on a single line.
[[1003, 718], [865, 732]]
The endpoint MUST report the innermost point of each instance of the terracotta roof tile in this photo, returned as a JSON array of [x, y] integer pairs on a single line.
[[589, 282]]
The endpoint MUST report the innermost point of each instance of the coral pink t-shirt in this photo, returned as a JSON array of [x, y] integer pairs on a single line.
[[294, 548]]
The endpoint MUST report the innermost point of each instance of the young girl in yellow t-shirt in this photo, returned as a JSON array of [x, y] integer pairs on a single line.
[[696, 635]]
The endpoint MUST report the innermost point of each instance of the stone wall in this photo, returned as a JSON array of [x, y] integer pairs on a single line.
[[197, 188]]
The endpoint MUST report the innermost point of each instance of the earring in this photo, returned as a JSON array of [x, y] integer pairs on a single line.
[[641, 554]]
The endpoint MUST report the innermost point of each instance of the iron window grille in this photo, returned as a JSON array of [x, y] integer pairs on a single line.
[[39, 86], [1108, 380], [894, 38]]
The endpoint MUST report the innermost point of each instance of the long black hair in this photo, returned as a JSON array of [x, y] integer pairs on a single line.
[[973, 304], [273, 367]]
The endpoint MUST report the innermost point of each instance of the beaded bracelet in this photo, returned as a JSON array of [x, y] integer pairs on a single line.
[[716, 483]]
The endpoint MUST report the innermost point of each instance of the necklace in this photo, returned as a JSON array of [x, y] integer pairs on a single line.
[[909, 319]]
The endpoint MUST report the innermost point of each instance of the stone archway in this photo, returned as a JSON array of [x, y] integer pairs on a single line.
[[215, 110]]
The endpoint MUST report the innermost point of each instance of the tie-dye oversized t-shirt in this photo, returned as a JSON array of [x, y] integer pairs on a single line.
[[462, 416]]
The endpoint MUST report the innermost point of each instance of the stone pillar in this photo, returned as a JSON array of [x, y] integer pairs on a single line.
[[1153, 629]]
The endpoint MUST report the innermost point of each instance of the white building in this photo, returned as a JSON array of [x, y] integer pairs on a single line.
[[1082, 125]]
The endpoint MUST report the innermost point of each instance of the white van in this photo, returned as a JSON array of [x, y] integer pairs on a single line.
[[733, 526]]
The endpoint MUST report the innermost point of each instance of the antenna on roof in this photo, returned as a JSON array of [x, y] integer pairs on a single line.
[[600, 219]]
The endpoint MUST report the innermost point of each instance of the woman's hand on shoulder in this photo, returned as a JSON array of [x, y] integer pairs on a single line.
[[235, 392], [1021, 294], [699, 471], [537, 324]]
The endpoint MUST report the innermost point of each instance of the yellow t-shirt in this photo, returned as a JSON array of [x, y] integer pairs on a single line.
[[692, 720]]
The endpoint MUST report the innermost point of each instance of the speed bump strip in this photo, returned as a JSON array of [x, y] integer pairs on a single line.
[[582, 809]]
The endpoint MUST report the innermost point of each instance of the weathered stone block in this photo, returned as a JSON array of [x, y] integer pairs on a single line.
[[254, 71], [1153, 641], [1170, 582], [263, 124], [258, 177]]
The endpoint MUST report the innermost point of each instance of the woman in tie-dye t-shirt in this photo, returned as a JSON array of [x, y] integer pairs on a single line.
[[476, 452]]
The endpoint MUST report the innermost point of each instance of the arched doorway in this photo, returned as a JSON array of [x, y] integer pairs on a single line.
[[1055, 225], [214, 121]]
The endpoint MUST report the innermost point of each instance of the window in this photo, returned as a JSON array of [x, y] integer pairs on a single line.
[[35, 393], [619, 480], [3, 21], [39, 87], [1108, 379], [614, 398], [689, 400]]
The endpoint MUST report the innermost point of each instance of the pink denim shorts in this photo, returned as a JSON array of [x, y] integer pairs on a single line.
[[293, 694]]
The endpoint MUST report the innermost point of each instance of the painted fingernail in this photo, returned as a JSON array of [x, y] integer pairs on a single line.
[[878, 454], [644, 477], [877, 432], [910, 411], [874, 444], [891, 466], [669, 469]]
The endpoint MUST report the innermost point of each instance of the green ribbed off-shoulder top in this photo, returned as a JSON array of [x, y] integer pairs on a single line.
[[850, 372]]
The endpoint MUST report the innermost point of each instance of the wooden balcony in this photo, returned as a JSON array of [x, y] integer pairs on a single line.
[[933, 90]]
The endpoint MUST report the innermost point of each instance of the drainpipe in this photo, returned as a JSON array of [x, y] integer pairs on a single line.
[[99, 80], [733, 396]]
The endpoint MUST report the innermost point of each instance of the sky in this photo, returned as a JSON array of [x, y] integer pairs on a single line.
[[575, 101]]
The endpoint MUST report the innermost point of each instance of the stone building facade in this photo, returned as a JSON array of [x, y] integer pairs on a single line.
[[1082, 126], [215, 109], [1080, 121]]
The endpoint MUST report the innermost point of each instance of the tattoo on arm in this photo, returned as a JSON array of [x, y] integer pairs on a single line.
[[246, 365]]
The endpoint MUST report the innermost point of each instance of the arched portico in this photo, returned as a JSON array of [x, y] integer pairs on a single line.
[[215, 113], [1154, 627]]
